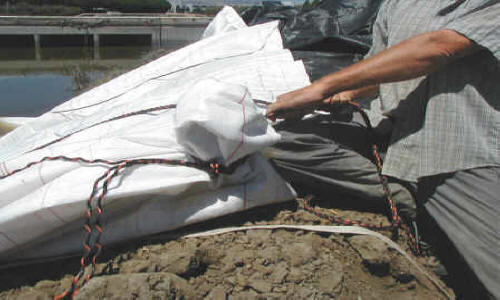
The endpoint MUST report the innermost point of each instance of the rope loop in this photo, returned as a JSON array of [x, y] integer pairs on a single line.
[[395, 218]]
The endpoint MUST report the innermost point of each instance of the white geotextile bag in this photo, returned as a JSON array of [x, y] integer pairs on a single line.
[[212, 82], [220, 122], [226, 20]]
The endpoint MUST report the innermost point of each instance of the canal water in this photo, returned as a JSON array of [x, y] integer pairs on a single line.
[[31, 84]]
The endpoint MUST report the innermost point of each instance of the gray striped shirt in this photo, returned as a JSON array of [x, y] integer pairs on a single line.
[[448, 120]]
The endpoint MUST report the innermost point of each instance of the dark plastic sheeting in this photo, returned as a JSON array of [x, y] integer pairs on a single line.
[[334, 25], [319, 64], [328, 37]]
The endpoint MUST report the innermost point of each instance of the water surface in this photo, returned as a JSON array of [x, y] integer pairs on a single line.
[[32, 84]]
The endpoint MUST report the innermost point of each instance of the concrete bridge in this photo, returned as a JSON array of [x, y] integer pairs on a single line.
[[162, 29]]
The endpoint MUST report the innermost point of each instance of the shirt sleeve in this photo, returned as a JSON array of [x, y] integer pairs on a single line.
[[380, 32], [480, 22], [379, 44]]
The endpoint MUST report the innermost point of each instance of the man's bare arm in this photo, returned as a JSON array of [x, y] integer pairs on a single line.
[[350, 95], [410, 59]]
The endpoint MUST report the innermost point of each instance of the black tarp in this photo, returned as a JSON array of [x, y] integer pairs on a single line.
[[319, 64], [327, 37]]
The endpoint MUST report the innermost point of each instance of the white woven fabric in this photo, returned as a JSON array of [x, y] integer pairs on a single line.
[[42, 208]]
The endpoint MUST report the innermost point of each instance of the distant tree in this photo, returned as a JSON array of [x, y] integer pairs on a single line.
[[212, 10], [144, 5], [90, 5], [183, 9], [123, 5]]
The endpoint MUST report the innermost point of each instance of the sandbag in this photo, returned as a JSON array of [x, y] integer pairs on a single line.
[[209, 85]]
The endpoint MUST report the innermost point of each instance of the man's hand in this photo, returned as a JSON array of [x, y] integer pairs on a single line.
[[342, 97], [370, 91], [294, 105], [284, 106], [288, 106]]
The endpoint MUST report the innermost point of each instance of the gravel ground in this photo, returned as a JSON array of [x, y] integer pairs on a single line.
[[264, 264]]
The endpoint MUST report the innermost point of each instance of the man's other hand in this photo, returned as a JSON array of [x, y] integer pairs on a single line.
[[295, 104]]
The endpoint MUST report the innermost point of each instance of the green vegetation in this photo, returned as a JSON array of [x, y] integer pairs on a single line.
[[208, 10], [23, 8], [72, 7], [124, 5], [310, 4]]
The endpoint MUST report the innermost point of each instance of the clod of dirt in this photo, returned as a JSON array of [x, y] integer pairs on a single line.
[[330, 280], [134, 266], [188, 263], [401, 270], [374, 252], [261, 286], [218, 293], [279, 274], [142, 286], [301, 253]]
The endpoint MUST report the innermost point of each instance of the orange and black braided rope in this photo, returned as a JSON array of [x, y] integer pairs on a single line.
[[93, 249], [107, 177], [396, 221]]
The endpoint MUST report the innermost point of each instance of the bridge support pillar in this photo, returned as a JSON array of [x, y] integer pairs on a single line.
[[156, 39], [36, 39], [86, 40], [97, 52]]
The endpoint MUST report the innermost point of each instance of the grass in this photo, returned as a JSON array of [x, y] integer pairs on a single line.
[[43, 10], [82, 78]]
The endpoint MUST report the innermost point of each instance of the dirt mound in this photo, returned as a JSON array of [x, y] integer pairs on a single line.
[[263, 264]]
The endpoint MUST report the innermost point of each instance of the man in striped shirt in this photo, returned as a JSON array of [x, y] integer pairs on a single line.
[[435, 66]]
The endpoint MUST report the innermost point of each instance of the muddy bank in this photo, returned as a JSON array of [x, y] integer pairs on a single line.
[[278, 264]]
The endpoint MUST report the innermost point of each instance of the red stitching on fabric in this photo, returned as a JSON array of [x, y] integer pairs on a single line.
[[242, 128], [9, 239], [37, 214], [40, 174], [3, 166], [56, 215], [245, 196]]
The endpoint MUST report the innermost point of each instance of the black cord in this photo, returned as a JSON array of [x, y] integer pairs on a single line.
[[448, 9]]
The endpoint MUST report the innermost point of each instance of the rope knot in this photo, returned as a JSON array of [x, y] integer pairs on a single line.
[[215, 169]]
